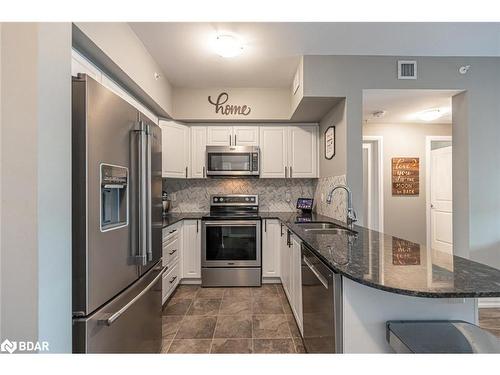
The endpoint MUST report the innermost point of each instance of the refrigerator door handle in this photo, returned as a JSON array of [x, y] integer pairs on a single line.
[[109, 319], [139, 198], [149, 235]]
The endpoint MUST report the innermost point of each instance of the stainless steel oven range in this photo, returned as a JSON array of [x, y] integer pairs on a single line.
[[231, 242]]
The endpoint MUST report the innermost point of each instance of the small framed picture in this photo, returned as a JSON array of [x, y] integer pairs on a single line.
[[330, 142]]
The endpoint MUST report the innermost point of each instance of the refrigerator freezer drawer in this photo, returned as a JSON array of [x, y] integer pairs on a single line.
[[130, 323]]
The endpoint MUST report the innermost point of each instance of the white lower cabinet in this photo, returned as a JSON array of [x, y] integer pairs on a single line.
[[191, 254], [291, 273], [271, 248], [170, 281], [172, 250]]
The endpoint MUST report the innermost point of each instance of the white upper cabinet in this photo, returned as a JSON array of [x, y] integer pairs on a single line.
[[219, 135], [198, 154], [246, 135], [175, 149], [273, 151], [289, 151], [303, 152], [232, 135], [80, 64]]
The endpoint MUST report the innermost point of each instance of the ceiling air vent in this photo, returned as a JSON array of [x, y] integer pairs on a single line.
[[407, 69]]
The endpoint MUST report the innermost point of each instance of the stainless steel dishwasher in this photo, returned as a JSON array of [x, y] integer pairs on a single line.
[[322, 305]]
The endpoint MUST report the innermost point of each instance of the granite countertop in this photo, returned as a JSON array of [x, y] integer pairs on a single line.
[[386, 262]]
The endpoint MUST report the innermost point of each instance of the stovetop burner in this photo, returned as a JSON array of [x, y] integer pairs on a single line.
[[233, 206]]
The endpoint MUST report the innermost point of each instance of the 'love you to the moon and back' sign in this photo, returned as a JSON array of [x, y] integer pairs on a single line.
[[405, 176]]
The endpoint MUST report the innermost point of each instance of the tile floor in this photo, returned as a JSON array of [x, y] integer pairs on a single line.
[[243, 320], [230, 320]]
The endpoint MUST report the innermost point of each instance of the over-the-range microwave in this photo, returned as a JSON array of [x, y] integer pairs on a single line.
[[238, 161]]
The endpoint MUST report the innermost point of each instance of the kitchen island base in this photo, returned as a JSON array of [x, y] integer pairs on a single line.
[[366, 311]]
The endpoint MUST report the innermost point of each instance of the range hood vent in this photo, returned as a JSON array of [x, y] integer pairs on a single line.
[[407, 69]]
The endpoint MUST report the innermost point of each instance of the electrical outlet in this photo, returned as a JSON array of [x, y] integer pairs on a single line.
[[173, 197], [288, 196]]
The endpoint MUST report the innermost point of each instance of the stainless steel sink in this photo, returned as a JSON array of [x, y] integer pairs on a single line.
[[325, 228]]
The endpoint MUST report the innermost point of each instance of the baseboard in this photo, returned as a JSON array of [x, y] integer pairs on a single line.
[[489, 303], [271, 280]]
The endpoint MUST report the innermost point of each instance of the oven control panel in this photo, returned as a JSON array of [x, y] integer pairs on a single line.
[[233, 200]]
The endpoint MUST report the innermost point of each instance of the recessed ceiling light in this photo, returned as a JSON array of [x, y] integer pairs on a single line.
[[228, 46], [431, 114]]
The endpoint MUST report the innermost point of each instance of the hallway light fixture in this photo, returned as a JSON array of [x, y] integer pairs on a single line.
[[431, 114], [228, 46]]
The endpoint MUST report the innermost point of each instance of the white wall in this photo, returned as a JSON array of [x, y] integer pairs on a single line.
[[405, 216], [337, 165], [266, 104], [36, 189], [119, 42]]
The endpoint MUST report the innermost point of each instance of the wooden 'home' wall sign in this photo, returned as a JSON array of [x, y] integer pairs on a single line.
[[405, 176]]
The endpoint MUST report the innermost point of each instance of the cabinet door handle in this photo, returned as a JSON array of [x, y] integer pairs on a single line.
[[235, 139], [172, 252], [172, 231], [265, 226], [186, 172], [285, 173], [172, 279], [229, 139], [204, 173], [196, 226], [290, 171]]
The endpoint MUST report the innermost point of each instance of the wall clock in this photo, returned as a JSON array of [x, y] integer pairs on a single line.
[[330, 142]]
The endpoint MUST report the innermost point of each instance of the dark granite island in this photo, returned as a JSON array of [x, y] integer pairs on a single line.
[[388, 278]]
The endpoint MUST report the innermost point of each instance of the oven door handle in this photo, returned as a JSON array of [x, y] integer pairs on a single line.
[[224, 223]]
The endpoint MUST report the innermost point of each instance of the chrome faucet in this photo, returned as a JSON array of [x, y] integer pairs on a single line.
[[351, 214]]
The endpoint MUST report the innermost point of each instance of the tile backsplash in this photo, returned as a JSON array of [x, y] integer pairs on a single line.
[[338, 208], [278, 195], [275, 194]]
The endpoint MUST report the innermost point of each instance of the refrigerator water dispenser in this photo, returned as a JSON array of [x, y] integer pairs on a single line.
[[114, 197]]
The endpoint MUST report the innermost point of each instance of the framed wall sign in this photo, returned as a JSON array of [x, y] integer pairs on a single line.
[[405, 176], [330, 142]]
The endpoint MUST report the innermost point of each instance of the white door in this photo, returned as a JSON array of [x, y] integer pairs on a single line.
[[273, 151], [175, 149], [220, 135], [303, 152], [441, 199], [198, 151], [246, 135], [191, 249], [271, 248], [367, 184]]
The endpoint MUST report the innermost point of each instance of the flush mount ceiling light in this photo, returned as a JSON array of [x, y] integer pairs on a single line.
[[431, 114], [228, 46], [379, 113]]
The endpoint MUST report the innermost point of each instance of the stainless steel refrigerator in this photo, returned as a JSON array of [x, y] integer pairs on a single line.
[[117, 223]]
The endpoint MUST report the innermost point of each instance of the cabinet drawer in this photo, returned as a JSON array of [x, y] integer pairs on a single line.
[[171, 250], [171, 232], [169, 282]]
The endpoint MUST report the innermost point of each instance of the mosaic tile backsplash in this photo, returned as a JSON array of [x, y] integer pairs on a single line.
[[280, 195], [275, 195], [338, 208]]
